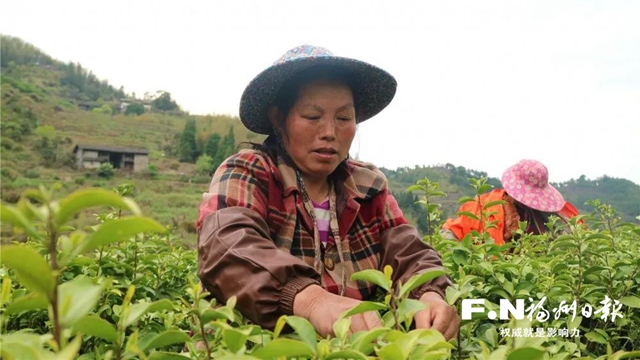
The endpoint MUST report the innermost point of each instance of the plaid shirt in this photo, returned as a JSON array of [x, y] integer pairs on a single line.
[[373, 230]]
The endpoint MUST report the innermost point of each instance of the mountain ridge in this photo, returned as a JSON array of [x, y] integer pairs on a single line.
[[48, 107]]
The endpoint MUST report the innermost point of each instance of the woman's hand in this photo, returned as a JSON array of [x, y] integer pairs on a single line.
[[323, 309], [439, 316]]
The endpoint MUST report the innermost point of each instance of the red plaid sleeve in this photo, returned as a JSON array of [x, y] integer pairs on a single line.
[[405, 250], [242, 180], [392, 214]]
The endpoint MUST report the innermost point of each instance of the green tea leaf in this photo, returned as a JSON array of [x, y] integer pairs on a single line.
[[165, 338], [346, 354], [493, 203], [119, 230], [220, 313], [71, 350], [363, 307], [526, 353], [32, 301], [17, 351], [484, 188], [160, 355], [92, 197], [592, 269], [341, 328], [13, 216], [137, 310], [362, 341], [234, 339], [419, 280], [373, 276], [558, 245], [499, 354], [304, 329], [595, 337], [95, 326], [391, 352], [465, 199], [409, 307], [625, 355], [388, 272], [283, 347], [631, 301], [468, 214], [33, 271], [414, 188], [597, 236], [6, 290], [76, 298]]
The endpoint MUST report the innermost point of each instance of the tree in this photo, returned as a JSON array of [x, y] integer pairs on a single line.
[[204, 165], [48, 144], [105, 109], [212, 146], [226, 148], [134, 109], [164, 102], [229, 143], [106, 170], [187, 151]]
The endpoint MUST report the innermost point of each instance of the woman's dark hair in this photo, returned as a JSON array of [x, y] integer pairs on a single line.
[[288, 95]]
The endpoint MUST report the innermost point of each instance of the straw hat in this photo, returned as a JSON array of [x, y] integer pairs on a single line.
[[373, 87]]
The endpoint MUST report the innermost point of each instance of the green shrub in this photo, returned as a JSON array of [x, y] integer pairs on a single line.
[[32, 173], [8, 173], [104, 109], [8, 143], [152, 169], [106, 171], [135, 109], [125, 266], [21, 183], [10, 196], [201, 180], [80, 180], [204, 164]]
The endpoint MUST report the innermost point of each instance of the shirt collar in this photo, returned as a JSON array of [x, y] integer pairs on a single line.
[[355, 179]]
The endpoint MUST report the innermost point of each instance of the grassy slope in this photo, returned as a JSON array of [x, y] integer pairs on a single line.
[[173, 197]]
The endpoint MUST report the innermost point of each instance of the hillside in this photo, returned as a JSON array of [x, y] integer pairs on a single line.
[[38, 92], [48, 107], [623, 195]]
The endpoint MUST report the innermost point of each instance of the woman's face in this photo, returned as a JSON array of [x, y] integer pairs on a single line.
[[320, 127]]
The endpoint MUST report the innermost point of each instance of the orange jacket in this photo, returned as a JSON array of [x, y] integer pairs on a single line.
[[462, 225]]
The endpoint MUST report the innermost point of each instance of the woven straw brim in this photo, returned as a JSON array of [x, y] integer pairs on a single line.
[[373, 87]]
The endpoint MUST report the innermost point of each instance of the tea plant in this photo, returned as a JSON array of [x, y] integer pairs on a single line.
[[126, 288]]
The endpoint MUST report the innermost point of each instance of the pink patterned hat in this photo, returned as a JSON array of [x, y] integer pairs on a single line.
[[528, 182]]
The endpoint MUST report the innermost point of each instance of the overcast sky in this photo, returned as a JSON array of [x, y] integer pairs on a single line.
[[481, 84]]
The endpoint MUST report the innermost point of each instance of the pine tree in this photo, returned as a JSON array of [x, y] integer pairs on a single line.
[[229, 143], [227, 148], [187, 151], [212, 146]]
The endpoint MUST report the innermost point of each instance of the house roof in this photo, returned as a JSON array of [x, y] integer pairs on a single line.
[[111, 149]]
